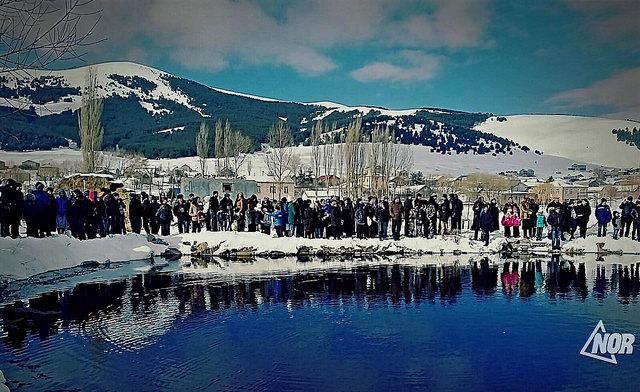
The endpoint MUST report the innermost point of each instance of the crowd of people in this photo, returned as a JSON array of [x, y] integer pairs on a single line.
[[92, 214]]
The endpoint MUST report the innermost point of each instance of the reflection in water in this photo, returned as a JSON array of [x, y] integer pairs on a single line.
[[134, 301]]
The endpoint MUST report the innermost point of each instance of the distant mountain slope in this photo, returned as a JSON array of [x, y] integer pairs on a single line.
[[157, 114], [585, 139]]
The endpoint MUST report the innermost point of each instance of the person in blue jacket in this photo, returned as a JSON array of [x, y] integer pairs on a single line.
[[278, 220], [603, 215], [62, 207]]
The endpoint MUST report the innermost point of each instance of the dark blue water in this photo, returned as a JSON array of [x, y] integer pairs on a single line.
[[474, 326]]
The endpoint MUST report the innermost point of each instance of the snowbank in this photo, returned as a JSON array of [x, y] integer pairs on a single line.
[[24, 257], [627, 245], [290, 245]]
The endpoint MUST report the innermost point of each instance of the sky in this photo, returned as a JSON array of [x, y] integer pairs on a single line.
[[504, 57]]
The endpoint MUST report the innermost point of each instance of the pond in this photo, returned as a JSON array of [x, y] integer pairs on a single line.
[[474, 324]]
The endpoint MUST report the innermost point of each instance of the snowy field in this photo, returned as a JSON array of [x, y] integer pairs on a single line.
[[584, 139], [423, 159]]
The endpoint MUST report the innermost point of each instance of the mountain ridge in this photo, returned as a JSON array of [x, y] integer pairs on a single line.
[[154, 112]]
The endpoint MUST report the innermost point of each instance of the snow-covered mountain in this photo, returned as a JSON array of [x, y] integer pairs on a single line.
[[158, 114]]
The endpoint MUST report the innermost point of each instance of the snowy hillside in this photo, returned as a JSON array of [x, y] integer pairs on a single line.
[[158, 114], [586, 139]]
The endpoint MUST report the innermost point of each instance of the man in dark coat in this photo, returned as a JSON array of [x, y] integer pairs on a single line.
[[78, 209], [478, 206], [456, 213], [625, 217], [485, 223], [135, 213], [408, 206], [348, 218], [214, 206]]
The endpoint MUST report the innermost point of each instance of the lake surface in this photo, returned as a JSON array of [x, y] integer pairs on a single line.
[[479, 324]]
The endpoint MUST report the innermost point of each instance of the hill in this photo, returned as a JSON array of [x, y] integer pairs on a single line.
[[584, 139], [155, 113]]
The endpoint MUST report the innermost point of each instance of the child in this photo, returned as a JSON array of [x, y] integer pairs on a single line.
[[516, 222], [265, 221], [507, 221], [540, 223], [616, 224]]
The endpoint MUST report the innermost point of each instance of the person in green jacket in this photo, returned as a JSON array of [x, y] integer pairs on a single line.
[[291, 219]]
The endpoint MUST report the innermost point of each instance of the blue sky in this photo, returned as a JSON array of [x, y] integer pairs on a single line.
[[503, 57]]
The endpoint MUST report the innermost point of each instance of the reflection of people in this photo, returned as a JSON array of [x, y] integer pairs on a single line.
[[485, 278], [510, 277]]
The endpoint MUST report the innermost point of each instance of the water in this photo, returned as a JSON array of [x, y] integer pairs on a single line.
[[388, 325]]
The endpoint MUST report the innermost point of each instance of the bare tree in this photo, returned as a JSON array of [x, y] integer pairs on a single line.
[[281, 158], [316, 140], [34, 34], [232, 146], [202, 146], [91, 131], [239, 145]]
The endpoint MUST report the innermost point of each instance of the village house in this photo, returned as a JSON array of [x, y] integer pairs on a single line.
[[568, 191], [206, 186], [29, 165], [17, 174], [270, 189], [48, 172]]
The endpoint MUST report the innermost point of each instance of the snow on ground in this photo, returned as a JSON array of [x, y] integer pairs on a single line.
[[265, 243], [423, 159], [24, 257], [585, 139]]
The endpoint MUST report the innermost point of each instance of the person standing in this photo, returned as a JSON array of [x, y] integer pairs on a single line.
[[135, 213], [485, 222], [62, 206], [625, 219], [42, 207], [540, 223], [214, 206], [396, 211], [603, 216], [408, 206], [164, 217], [554, 222], [477, 208], [615, 222], [635, 218]]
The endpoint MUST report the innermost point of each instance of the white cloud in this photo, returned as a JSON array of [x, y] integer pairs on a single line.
[[620, 93], [416, 66], [300, 34]]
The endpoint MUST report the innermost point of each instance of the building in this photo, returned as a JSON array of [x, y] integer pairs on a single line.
[[271, 190], [320, 194], [568, 191], [331, 179], [206, 186], [578, 167], [48, 172], [17, 174], [29, 165]]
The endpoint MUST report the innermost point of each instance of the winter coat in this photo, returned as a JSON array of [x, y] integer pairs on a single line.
[[507, 220], [603, 214], [408, 205], [42, 203], [360, 214], [456, 209], [335, 217], [486, 220], [193, 212], [225, 205], [626, 207], [444, 211], [540, 220], [554, 219], [135, 210], [164, 214], [291, 214], [62, 205], [307, 219], [635, 215], [495, 213], [477, 209], [214, 205], [396, 210], [278, 218]]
